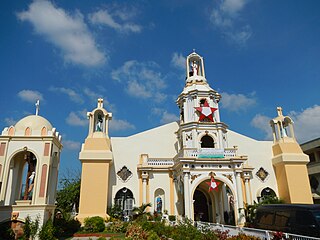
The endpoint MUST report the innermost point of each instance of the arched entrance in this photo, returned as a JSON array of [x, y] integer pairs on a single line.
[[201, 206], [21, 177], [213, 202], [124, 199]]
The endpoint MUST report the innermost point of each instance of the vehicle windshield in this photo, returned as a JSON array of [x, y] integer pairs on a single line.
[[316, 214]]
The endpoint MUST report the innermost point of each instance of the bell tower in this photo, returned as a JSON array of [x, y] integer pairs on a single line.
[[96, 157], [289, 162], [199, 109]]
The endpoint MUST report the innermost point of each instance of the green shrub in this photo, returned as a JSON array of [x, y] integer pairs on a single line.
[[135, 232], [30, 228], [47, 231], [172, 218], [153, 236], [66, 227], [101, 238], [117, 227], [94, 224], [186, 230]]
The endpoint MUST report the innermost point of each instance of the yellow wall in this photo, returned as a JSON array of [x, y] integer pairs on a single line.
[[94, 183], [293, 183]]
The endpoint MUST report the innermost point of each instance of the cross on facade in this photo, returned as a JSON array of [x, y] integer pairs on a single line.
[[37, 107], [100, 103]]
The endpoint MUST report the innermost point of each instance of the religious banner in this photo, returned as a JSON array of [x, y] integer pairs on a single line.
[[210, 153]]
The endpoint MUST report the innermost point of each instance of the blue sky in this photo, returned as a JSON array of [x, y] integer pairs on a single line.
[[258, 55]]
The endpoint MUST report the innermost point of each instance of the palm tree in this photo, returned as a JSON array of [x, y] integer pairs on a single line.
[[142, 211]]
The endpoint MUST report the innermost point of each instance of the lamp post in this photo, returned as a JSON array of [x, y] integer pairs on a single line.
[[125, 213]]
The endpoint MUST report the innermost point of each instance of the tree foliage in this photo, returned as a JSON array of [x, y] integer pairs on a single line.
[[69, 193]]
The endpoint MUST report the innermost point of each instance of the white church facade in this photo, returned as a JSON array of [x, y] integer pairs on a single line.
[[195, 167]]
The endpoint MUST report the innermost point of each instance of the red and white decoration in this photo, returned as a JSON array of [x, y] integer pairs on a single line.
[[213, 184], [206, 111]]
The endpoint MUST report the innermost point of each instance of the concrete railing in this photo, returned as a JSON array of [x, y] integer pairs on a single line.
[[160, 161]]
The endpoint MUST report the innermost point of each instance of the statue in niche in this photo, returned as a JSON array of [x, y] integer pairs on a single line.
[[194, 68], [283, 130], [99, 123], [31, 161], [159, 204]]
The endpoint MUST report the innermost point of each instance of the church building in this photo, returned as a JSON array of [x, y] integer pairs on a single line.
[[195, 167]]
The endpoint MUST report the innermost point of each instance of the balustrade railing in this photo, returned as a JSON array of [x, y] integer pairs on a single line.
[[160, 161]]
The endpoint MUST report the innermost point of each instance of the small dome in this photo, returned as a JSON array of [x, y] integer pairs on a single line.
[[34, 122]]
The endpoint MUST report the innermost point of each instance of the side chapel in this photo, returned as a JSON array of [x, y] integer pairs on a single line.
[[29, 162]]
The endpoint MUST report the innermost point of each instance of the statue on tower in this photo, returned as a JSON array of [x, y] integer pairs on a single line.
[[99, 123], [195, 68]]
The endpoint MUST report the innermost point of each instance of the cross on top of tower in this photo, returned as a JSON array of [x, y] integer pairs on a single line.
[[279, 110], [37, 107], [100, 102]]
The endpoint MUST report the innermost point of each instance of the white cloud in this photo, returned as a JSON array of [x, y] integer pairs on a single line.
[[232, 7], [67, 32], [104, 17], [306, 123], [236, 102], [77, 119], [71, 145], [165, 117], [262, 122], [141, 80], [73, 95], [94, 95], [10, 121], [178, 60], [120, 125], [30, 96], [225, 17]]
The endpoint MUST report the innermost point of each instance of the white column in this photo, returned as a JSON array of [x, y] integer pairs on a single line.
[[241, 219], [194, 138], [246, 184], [187, 201], [220, 139], [144, 190], [225, 198]]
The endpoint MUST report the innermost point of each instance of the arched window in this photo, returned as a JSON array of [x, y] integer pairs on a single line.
[[207, 142], [98, 121], [44, 131], [159, 202], [202, 101], [265, 193], [124, 199], [11, 131], [27, 132]]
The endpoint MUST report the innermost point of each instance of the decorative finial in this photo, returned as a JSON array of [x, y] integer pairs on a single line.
[[100, 102], [194, 50], [37, 107], [279, 110]]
